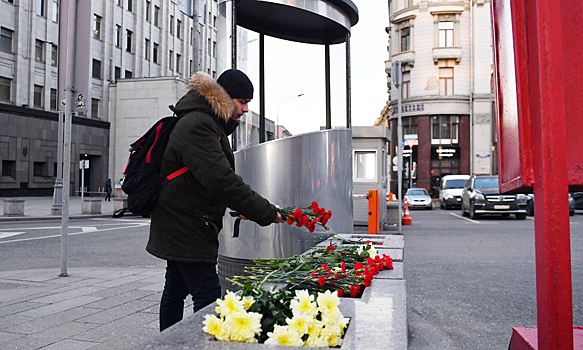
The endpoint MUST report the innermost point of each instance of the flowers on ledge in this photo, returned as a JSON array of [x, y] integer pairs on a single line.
[[278, 317]]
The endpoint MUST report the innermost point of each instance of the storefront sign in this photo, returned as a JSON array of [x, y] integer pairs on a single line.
[[445, 152]]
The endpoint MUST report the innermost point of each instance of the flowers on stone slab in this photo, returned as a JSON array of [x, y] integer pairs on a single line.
[[279, 317]]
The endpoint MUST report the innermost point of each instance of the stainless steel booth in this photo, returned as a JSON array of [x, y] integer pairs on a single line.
[[292, 171]]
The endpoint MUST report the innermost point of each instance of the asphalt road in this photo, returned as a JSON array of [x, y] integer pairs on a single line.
[[97, 242], [469, 282]]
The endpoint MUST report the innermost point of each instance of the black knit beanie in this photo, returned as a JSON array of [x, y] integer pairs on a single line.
[[236, 83]]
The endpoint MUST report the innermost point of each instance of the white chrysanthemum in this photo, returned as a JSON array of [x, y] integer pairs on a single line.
[[300, 323], [303, 302], [215, 326], [248, 300], [372, 252], [229, 304], [359, 249], [315, 328], [243, 326], [336, 269], [283, 335], [328, 303]]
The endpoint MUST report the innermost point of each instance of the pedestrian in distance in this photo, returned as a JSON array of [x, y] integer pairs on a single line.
[[188, 215], [108, 190]]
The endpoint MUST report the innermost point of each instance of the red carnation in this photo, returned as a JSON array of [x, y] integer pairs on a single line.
[[325, 267], [322, 281], [331, 247], [340, 293], [298, 213]]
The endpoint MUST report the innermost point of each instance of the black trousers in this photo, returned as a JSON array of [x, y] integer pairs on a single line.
[[199, 280]]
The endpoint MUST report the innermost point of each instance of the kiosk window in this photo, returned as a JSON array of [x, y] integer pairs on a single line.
[[365, 165]]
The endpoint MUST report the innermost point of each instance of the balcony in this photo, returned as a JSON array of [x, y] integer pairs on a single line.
[[406, 58], [447, 53]]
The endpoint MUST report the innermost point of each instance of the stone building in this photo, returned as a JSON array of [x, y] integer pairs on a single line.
[[114, 41], [446, 60]]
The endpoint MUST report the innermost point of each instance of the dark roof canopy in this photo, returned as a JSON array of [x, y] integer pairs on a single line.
[[312, 21]]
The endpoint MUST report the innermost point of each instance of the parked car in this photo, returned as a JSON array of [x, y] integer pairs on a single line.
[[419, 198], [530, 205], [578, 198], [450, 191], [481, 195]]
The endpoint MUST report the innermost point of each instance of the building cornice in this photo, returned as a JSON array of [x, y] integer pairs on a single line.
[[53, 116]]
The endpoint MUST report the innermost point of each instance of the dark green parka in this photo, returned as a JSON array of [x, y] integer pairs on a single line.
[[189, 212]]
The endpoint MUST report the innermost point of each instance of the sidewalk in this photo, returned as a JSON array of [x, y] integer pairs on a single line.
[[113, 308]]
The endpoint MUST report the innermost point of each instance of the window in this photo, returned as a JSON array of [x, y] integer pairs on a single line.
[[38, 51], [147, 49], [54, 55], [5, 85], [6, 39], [117, 73], [171, 60], [148, 11], [130, 5], [117, 35], [171, 25], [129, 35], [40, 7], [128, 74], [155, 53], [444, 129], [191, 68], [445, 34], [96, 27], [446, 81], [39, 169], [96, 71], [9, 168], [215, 21], [405, 85], [118, 3], [410, 126], [191, 36], [178, 63], [208, 46], [214, 49], [53, 99], [38, 96], [405, 39], [156, 16], [179, 29], [365, 165], [55, 14], [94, 108]]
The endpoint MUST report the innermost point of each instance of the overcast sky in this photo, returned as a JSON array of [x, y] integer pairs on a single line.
[[292, 69]]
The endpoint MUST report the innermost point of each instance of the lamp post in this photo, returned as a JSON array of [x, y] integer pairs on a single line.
[[279, 105]]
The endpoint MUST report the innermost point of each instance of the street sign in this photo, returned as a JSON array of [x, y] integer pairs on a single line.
[[84, 164]]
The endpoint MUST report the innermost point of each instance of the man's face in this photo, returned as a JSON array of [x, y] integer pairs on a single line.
[[241, 107]]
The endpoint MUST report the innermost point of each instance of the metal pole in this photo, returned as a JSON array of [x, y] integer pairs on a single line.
[[397, 79], [348, 84], [67, 14], [57, 208], [261, 88], [328, 99], [82, 183]]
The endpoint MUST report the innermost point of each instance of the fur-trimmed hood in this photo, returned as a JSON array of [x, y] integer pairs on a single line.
[[220, 102]]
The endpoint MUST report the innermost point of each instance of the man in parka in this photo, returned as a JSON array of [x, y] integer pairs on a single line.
[[188, 215]]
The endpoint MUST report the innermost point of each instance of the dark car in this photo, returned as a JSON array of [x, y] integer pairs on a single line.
[[578, 198], [481, 195], [530, 205]]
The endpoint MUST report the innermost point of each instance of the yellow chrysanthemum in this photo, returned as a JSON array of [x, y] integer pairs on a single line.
[[332, 334], [300, 323], [314, 329], [303, 302], [243, 326], [372, 252], [283, 335], [328, 303], [317, 342], [248, 302], [229, 304], [215, 326]]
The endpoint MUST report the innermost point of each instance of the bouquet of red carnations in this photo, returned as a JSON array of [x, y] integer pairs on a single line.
[[309, 217]]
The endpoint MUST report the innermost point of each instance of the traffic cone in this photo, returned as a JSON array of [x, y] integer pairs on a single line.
[[407, 221]]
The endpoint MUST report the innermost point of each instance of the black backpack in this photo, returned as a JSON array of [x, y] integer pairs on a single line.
[[142, 181]]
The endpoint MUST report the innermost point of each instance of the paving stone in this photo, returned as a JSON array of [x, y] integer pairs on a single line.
[[396, 273], [117, 312], [107, 303], [18, 295], [124, 288], [10, 321], [117, 328], [395, 254], [41, 323], [128, 340], [60, 306], [119, 281], [70, 294], [49, 336], [69, 344], [8, 336], [17, 307]]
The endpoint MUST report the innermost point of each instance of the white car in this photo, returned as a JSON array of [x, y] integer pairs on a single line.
[[419, 198], [450, 190]]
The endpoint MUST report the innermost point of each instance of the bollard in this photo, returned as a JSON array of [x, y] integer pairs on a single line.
[[407, 218], [373, 212]]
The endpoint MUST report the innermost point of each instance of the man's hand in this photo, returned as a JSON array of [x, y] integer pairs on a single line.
[[278, 219]]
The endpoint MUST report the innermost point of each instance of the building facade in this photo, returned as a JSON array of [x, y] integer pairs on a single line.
[[114, 40], [446, 64]]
